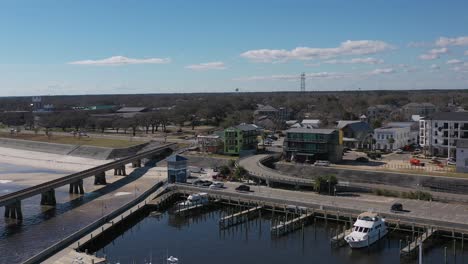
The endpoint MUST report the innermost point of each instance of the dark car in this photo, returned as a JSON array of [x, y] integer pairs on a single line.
[[362, 159], [207, 183], [243, 188], [396, 207]]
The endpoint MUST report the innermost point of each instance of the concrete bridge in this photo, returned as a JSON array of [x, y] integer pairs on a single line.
[[256, 169], [12, 201]]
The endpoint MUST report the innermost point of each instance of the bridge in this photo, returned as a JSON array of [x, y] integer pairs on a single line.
[[256, 169], [12, 201]]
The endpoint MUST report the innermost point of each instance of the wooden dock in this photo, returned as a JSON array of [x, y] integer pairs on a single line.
[[73, 256], [237, 218], [184, 210], [415, 244], [338, 239], [284, 227]]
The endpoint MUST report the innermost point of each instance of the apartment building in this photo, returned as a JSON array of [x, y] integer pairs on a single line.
[[394, 136], [305, 144], [439, 133], [240, 138]]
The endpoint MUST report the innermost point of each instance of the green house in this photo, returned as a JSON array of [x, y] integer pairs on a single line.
[[240, 138]]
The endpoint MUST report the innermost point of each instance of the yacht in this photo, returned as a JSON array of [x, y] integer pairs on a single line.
[[368, 228], [195, 199]]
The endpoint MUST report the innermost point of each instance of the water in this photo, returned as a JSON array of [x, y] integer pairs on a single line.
[[197, 239]]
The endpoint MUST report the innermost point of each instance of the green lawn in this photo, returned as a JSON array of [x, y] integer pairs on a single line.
[[98, 142]]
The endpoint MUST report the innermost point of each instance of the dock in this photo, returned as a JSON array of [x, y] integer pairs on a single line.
[[289, 225], [79, 258], [415, 244], [185, 210], [238, 218], [338, 239]]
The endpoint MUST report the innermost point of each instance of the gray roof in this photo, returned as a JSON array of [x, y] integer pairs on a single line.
[[462, 143], [401, 124], [311, 130], [131, 109], [247, 127], [343, 123], [450, 116], [267, 108]]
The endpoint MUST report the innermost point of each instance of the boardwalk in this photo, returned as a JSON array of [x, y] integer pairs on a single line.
[[414, 245]]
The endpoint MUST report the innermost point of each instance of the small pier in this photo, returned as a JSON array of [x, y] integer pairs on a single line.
[[73, 256], [238, 218], [185, 209], [282, 228], [415, 244]]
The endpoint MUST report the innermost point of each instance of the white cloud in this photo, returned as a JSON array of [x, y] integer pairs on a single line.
[[121, 60], [454, 62], [466, 52], [458, 41], [216, 65], [382, 71], [316, 75], [419, 44], [433, 54], [462, 68], [359, 47], [435, 67], [368, 60]]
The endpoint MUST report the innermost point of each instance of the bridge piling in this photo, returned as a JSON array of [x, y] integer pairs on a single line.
[[136, 164], [120, 171], [48, 198], [76, 187], [13, 210], [100, 178]]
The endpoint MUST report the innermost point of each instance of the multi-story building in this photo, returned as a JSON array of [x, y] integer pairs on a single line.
[[462, 155], [379, 111], [209, 143], [393, 137], [305, 144], [422, 109], [439, 133], [277, 115], [240, 138], [356, 133]]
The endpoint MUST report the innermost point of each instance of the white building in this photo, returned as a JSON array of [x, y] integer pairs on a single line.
[[401, 136], [313, 123], [439, 133], [462, 155]]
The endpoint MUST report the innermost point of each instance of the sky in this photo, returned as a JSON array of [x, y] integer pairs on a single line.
[[55, 47]]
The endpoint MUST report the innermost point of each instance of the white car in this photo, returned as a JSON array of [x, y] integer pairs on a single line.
[[216, 185], [322, 163], [399, 151]]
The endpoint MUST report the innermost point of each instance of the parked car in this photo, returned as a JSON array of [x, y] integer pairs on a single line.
[[243, 188], [399, 151], [451, 161], [216, 185], [362, 159], [322, 163], [416, 151], [396, 207]]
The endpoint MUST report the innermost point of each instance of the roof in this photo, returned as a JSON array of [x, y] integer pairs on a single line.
[[401, 124], [311, 121], [174, 158], [266, 108], [418, 105], [131, 109], [247, 127], [343, 123], [311, 130], [368, 214], [450, 116], [462, 143]]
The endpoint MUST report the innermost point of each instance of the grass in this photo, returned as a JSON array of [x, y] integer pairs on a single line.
[[418, 195], [98, 142]]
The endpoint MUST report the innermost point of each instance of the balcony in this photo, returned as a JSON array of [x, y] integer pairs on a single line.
[[306, 140]]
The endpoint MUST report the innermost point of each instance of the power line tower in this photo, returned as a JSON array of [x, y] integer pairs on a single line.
[[302, 82]]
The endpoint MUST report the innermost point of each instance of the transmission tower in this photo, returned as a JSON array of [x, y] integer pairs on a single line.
[[302, 82]]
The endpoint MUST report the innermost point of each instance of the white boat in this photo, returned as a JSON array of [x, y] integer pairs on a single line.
[[172, 260], [195, 199], [368, 228]]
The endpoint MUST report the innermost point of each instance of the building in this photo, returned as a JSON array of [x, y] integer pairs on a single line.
[[305, 144], [462, 155], [210, 143], [422, 109], [176, 169], [278, 116], [240, 138], [394, 136], [356, 133], [439, 133]]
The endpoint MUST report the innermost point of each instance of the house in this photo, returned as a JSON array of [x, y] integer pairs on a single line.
[[276, 115], [209, 143], [439, 133], [356, 133], [422, 109], [267, 123], [240, 138], [462, 155], [305, 144]]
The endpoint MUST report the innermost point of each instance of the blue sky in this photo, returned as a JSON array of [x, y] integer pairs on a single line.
[[93, 47]]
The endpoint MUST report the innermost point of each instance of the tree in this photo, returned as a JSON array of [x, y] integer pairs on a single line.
[[391, 141], [325, 184], [224, 170], [240, 172]]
